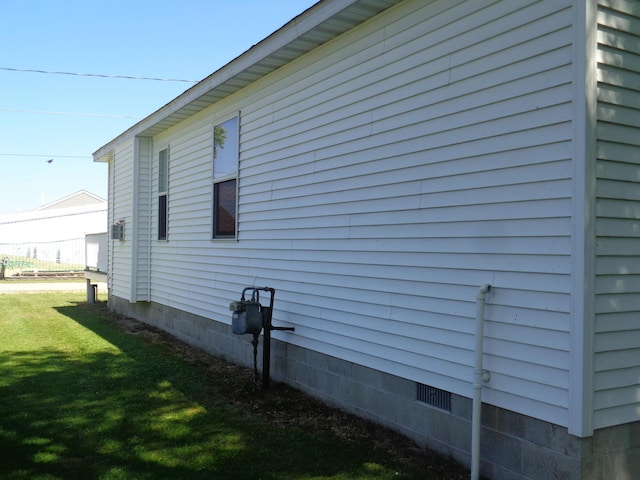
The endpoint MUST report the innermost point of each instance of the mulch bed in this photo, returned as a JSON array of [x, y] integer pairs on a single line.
[[283, 405]]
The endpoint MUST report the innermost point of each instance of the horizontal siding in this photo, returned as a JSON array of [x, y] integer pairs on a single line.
[[617, 304], [173, 262], [143, 221], [122, 209], [384, 177]]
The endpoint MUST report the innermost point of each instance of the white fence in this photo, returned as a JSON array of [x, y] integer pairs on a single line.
[[35, 257]]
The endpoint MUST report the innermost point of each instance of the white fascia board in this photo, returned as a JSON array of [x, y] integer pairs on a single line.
[[302, 24]]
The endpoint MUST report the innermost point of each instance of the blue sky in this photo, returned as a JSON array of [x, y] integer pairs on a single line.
[[67, 117]]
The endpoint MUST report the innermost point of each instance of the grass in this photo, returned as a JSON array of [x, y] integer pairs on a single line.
[[84, 395], [18, 264]]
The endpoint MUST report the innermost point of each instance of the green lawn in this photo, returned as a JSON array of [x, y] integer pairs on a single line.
[[83, 399]]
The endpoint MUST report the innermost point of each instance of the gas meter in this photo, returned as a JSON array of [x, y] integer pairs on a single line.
[[249, 316], [246, 317]]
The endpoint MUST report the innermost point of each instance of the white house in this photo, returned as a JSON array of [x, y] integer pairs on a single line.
[[378, 163], [56, 230]]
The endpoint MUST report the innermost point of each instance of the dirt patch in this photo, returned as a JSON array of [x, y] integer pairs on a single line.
[[285, 406]]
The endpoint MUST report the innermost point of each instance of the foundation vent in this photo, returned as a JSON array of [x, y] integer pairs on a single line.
[[433, 396]]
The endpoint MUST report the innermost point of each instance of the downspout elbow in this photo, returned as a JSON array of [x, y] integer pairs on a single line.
[[482, 291]]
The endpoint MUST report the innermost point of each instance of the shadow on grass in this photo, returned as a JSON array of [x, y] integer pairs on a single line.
[[125, 408]]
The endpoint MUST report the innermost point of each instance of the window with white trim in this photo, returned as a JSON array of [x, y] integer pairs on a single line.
[[163, 193], [225, 178]]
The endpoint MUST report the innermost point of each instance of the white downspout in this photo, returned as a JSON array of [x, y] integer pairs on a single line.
[[479, 376]]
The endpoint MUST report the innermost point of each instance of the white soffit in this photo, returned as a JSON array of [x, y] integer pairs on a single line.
[[324, 21]]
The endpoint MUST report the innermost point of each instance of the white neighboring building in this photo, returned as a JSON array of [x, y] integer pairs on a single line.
[[383, 159], [56, 230]]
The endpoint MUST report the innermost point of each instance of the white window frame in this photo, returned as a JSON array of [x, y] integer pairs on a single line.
[[163, 194], [223, 178]]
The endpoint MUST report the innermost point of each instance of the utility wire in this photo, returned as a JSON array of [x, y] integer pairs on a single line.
[[126, 77], [41, 112], [42, 156]]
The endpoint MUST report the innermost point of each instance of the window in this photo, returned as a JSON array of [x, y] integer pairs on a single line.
[[163, 191], [225, 181]]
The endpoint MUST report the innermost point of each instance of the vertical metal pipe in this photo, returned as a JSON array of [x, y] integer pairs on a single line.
[[266, 347], [267, 326], [90, 298], [479, 376]]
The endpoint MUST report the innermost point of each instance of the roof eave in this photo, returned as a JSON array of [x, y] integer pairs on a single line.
[[322, 22]]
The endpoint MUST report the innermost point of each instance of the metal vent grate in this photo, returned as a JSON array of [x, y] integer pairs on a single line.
[[434, 396]]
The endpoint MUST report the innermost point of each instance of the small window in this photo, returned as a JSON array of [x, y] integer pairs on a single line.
[[225, 178], [163, 193]]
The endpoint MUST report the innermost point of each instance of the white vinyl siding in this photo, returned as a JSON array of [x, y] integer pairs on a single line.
[[180, 267], [617, 335], [422, 156], [143, 225], [122, 201], [383, 178]]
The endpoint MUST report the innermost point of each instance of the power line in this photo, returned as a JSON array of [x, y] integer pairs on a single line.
[[42, 156], [126, 77], [76, 114]]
